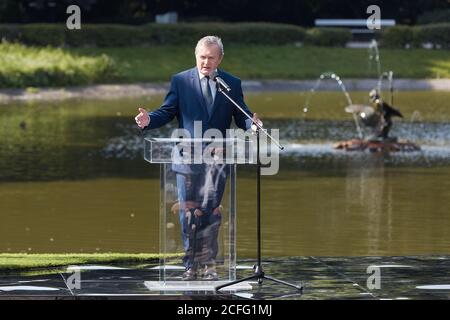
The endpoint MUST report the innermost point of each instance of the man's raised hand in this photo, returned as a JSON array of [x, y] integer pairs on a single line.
[[142, 119]]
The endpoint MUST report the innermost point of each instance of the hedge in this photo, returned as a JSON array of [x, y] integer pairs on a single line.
[[104, 35], [397, 37], [329, 37], [107, 35], [438, 35], [42, 34]]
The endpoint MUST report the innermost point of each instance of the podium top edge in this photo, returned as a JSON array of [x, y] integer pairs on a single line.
[[195, 139]]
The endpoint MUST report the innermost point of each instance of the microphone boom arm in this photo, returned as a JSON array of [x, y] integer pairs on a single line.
[[219, 87]]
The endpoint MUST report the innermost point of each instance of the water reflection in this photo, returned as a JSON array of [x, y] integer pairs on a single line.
[[72, 179], [365, 187]]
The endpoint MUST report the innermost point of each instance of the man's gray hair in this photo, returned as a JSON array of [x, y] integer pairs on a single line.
[[208, 41]]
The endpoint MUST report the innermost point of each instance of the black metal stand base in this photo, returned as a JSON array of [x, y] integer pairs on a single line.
[[260, 276]]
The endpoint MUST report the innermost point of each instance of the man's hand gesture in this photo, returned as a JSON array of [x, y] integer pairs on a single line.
[[142, 119]]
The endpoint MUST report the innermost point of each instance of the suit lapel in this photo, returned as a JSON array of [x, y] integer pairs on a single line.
[[195, 81]]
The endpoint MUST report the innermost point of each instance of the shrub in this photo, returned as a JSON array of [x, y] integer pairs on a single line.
[[238, 33], [22, 66], [9, 32], [400, 36], [333, 37], [397, 37], [42, 34], [108, 35], [436, 34]]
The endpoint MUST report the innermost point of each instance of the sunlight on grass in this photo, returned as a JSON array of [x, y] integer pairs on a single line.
[[441, 68], [22, 66], [16, 261]]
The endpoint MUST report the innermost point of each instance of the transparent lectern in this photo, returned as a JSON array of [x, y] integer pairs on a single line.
[[197, 210]]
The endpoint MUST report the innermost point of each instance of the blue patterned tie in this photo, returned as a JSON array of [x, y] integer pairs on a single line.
[[207, 94]]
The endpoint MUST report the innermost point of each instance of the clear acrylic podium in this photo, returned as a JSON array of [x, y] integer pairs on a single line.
[[197, 210]]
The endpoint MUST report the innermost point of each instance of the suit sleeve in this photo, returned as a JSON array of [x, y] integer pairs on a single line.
[[240, 119], [167, 111]]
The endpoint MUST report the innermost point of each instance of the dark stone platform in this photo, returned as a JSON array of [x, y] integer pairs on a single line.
[[412, 277]]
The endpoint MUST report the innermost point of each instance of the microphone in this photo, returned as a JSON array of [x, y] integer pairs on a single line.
[[220, 81]]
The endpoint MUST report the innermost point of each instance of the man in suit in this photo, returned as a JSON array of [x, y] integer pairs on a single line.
[[193, 96]]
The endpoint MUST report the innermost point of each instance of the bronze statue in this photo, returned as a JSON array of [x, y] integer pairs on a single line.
[[383, 116]]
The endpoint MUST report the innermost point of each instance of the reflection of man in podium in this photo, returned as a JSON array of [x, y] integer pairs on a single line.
[[200, 192], [193, 96]]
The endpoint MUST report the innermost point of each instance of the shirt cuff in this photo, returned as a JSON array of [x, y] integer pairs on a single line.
[[248, 123]]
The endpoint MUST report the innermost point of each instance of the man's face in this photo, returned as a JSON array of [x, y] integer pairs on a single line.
[[208, 58]]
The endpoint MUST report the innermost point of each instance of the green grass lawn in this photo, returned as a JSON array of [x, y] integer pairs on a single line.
[[22, 66], [23, 261], [276, 62]]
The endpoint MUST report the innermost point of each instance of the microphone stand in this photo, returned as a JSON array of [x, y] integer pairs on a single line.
[[259, 273]]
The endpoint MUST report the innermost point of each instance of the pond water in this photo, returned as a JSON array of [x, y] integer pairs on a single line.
[[73, 179]]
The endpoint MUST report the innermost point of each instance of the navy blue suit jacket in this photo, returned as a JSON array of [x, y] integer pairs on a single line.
[[185, 102]]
